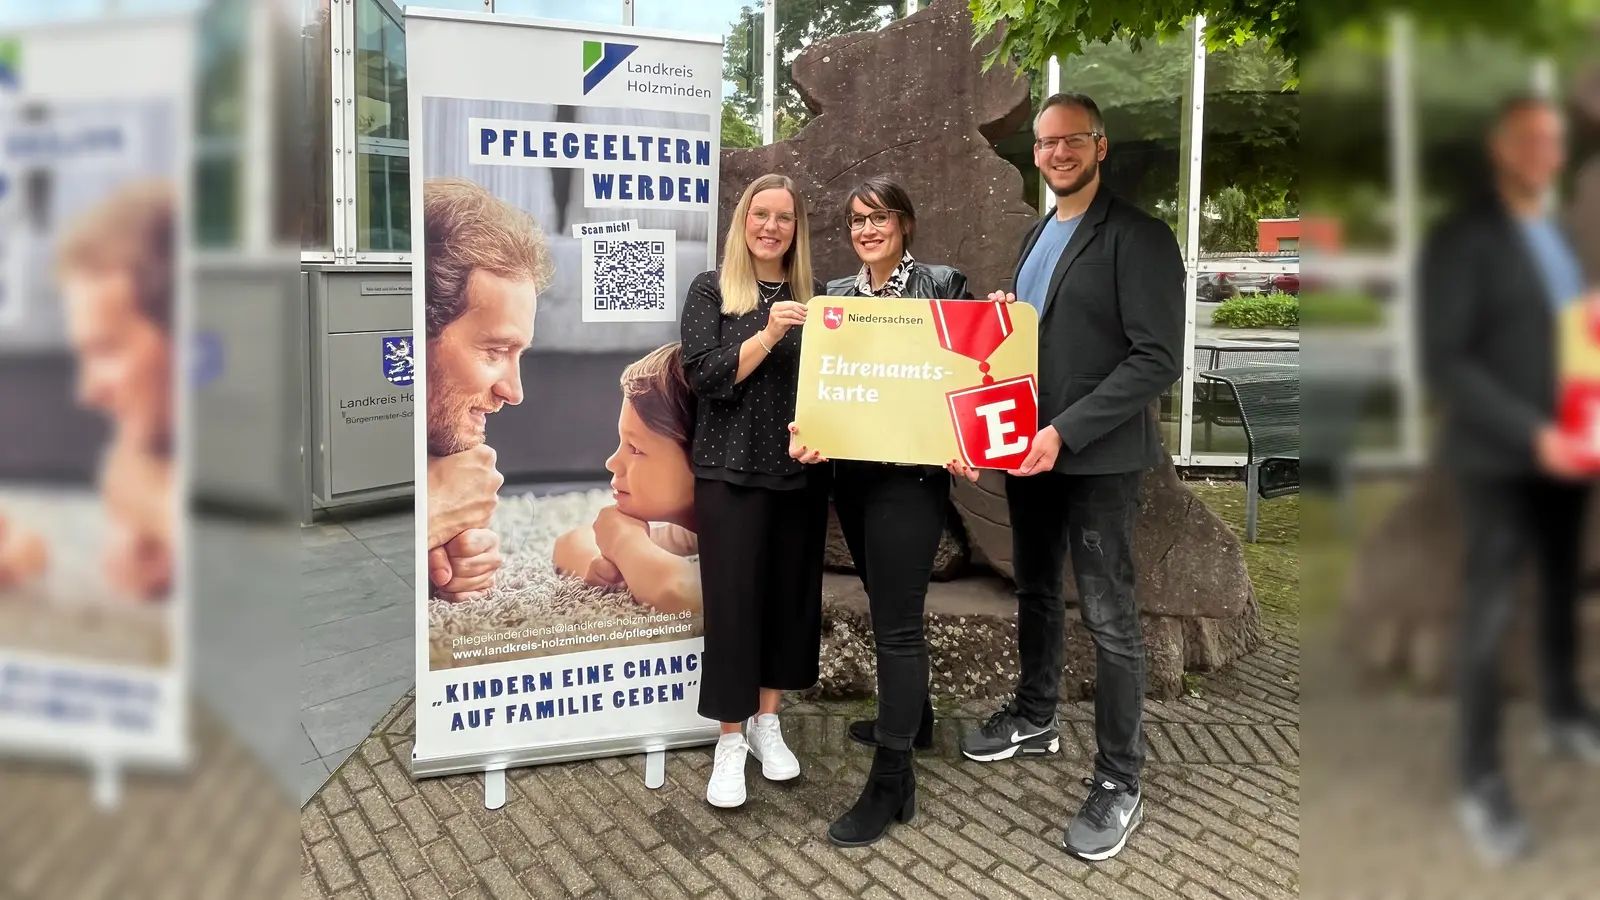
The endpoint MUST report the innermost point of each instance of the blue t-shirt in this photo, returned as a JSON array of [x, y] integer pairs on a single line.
[[1034, 279], [1552, 254]]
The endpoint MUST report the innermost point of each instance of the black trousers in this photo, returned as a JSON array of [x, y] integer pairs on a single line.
[[761, 580], [892, 518], [1512, 522], [1091, 518]]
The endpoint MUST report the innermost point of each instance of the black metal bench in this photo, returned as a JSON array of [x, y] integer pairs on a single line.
[[1268, 396]]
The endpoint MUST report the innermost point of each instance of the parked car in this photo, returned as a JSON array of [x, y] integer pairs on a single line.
[[1213, 287], [1287, 282]]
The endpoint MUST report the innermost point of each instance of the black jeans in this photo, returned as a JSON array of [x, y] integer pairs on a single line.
[[1510, 523], [1090, 517], [892, 518]]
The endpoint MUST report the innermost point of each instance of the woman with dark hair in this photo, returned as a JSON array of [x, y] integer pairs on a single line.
[[892, 517]]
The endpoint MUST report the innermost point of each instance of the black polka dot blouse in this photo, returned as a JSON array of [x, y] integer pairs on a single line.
[[741, 429]]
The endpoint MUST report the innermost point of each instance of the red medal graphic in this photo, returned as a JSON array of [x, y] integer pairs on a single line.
[[995, 422], [1578, 409]]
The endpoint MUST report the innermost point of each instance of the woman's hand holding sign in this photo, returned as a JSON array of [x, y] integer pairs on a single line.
[[799, 451], [785, 315], [1002, 297], [961, 470]]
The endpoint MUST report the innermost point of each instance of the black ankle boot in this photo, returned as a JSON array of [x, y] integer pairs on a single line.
[[862, 731], [890, 796]]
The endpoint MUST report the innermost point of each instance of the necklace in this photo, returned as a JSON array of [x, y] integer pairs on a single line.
[[766, 297]]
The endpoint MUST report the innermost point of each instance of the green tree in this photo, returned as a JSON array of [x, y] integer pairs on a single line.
[[1228, 224], [736, 132], [1036, 30]]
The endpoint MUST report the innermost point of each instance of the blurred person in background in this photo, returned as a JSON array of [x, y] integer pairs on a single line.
[[1495, 274], [486, 263]]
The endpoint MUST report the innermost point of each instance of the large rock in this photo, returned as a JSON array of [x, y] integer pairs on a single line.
[[1188, 562], [909, 100], [1403, 597], [972, 640]]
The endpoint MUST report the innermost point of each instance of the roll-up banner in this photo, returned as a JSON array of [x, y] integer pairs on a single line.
[[564, 185], [94, 304]]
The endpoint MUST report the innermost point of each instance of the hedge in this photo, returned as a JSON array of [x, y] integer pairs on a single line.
[[1275, 310]]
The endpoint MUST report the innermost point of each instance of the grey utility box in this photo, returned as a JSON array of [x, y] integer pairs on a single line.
[[362, 385]]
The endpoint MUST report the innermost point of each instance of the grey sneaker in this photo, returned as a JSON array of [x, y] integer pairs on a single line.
[[1574, 738], [1006, 734], [1100, 829], [1492, 822]]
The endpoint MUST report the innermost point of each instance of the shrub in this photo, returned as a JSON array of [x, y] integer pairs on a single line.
[[1343, 308], [1275, 310]]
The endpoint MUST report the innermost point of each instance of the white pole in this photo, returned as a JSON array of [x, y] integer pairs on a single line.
[[769, 66], [1052, 85], [1404, 162], [911, 6], [1197, 101]]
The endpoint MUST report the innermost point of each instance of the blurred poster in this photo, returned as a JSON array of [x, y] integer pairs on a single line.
[[570, 173], [93, 303]]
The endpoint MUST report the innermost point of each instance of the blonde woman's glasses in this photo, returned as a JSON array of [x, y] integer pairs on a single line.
[[762, 216]]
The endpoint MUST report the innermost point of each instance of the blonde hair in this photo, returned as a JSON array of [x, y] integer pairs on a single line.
[[468, 229], [134, 231], [737, 279]]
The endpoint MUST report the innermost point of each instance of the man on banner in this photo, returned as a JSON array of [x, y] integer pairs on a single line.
[[1107, 281], [115, 266], [486, 262]]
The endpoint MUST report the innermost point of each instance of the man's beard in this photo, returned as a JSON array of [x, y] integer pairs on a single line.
[[1085, 175], [448, 430]]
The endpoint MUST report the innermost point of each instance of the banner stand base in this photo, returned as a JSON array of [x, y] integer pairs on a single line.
[[107, 784], [494, 787], [655, 768]]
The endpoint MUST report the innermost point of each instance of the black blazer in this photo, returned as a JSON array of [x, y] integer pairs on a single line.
[[1110, 337], [924, 282], [1488, 340]]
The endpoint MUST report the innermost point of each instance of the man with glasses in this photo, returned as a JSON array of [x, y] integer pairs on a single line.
[[1496, 275], [1107, 281]]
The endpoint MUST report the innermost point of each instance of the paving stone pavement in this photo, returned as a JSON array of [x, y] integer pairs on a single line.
[[222, 829], [1222, 801]]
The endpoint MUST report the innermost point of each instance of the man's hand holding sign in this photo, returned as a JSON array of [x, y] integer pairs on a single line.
[[934, 382]]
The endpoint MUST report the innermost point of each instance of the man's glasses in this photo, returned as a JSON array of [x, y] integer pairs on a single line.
[[1077, 143], [879, 218]]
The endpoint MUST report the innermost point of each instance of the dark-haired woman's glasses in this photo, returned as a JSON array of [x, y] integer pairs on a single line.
[[879, 219]]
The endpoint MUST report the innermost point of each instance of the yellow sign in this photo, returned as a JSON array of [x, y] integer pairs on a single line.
[[919, 381]]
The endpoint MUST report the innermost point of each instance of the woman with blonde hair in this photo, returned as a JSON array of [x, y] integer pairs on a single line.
[[762, 515]]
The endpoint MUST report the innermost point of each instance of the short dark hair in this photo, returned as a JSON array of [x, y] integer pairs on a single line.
[[884, 192], [1074, 99], [1519, 102], [660, 394]]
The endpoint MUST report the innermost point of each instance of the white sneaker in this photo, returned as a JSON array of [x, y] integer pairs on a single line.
[[767, 746], [726, 787]]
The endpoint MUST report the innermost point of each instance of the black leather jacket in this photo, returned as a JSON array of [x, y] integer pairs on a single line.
[[925, 283]]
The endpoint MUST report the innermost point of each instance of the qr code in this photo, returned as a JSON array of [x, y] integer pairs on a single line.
[[630, 275]]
